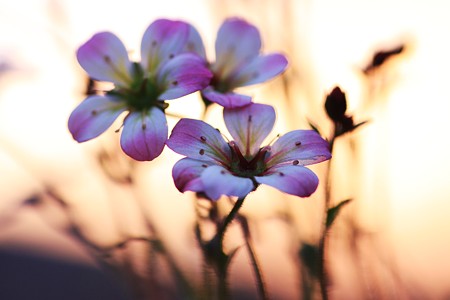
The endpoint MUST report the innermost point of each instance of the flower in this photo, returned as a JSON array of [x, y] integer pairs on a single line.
[[238, 63], [166, 71], [216, 167]]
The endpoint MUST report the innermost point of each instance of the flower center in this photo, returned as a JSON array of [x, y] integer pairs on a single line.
[[247, 167], [143, 92]]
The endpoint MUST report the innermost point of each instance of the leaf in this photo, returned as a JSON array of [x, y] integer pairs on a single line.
[[314, 127], [333, 212]]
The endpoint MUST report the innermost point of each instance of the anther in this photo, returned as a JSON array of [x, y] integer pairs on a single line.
[[154, 43], [204, 166], [250, 118], [144, 126], [94, 112], [222, 172], [107, 59], [295, 162], [171, 55], [174, 82], [281, 174], [201, 152], [298, 143], [203, 138]]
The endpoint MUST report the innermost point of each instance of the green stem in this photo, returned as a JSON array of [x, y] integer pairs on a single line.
[[323, 273], [254, 261], [228, 220]]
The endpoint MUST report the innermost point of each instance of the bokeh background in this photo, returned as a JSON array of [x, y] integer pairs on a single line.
[[58, 196]]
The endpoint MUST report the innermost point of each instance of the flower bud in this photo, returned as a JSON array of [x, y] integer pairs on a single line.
[[336, 104]]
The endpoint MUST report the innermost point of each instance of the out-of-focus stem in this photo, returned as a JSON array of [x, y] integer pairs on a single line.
[[323, 273]]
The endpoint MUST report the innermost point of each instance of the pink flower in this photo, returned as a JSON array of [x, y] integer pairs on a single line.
[[238, 63], [166, 71], [216, 167]]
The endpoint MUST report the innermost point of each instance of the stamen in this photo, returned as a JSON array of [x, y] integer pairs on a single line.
[[295, 162], [203, 138], [175, 82], [171, 55], [222, 172], [107, 59], [94, 112], [144, 126], [274, 139], [281, 174], [298, 143], [154, 43], [201, 152], [204, 166]]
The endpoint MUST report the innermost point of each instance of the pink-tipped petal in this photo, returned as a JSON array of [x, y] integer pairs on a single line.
[[218, 181], [162, 41], [249, 125], [93, 116], [260, 69], [144, 135], [237, 41], [303, 147], [105, 58], [184, 74], [227, 100], [186, 174], [198, 140], [294, 180]]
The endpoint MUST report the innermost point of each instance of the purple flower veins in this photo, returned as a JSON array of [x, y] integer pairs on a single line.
[[166, 71], [216, 167], [238, 63]]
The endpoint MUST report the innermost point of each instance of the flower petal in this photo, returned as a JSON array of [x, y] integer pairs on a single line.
[[260, 69], [294, 180], [228, 100], [93, 116], [218, 181], [182, 75], [162, 40], [186, 174], [198, 140], [237, 41], [105, 58], [249, 125], [194, 43], [303, 147], [144, 135]]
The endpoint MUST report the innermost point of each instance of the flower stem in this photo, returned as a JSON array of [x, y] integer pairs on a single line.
[[228, 220], [323, 273], [254, 261]]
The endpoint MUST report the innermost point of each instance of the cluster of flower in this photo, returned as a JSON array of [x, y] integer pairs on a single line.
[[174, 64]]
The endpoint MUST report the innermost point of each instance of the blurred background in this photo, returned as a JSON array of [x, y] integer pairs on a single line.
[[64, 205]]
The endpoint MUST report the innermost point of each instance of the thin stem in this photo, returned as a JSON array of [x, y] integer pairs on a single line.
[[254, 260], [323, 273], [228, 220]]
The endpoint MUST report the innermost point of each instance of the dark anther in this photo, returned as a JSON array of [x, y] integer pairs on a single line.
[[281, 174], [222, 172], [203, 138], [298, 143], [202, 151], [171, 55], [175, 82], [144, 126], [94, 112], [107, 59], [204, 166], [295, 162], [154, 43], [250, 118]]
